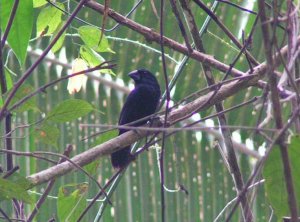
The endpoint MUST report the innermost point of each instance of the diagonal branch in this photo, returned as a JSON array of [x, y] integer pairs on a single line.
[[151, 35], [230, 156], [130, 137], [175, 116], [225, 29]]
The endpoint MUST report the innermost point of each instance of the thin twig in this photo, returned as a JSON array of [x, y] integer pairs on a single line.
[[168, 98], [180, 24], [87, 23], [44, 87], [234, 199], [9, 173], [237, 6], [5, 215], [112, 181], [225, 29], [2, 71], [99, 78], [8, 143], [28, 154], [179, 69]]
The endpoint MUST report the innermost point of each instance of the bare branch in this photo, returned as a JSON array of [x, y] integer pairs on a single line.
[[129, 138], [176, 115], [151, 35]]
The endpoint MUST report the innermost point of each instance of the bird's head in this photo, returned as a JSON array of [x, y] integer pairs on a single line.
[[143, 76]]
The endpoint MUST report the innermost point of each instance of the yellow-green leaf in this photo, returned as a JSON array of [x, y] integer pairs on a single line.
[[71, 201], [49, 19], [91, 37], [275, 180], [10, 190], [21, 29]]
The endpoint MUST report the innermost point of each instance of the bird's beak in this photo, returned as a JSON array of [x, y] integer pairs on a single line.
[[135, 75]]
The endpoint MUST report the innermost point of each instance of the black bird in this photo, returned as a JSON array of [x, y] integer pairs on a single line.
[[141, 102]]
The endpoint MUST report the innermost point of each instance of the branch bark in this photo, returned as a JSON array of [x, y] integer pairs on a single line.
[[150, 35], [176, 115], [130, 137]]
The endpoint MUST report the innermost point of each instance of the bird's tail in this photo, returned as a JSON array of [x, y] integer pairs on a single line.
[[121, 158]]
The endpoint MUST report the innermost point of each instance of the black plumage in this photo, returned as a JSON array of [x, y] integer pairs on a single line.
[[141, 102]]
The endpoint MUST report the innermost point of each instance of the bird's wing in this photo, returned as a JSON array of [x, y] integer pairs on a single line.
[[140, 103]]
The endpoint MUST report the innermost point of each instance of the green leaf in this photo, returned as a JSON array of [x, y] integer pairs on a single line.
[[69, 110], [275, 181], [47, 134], [30, 104], [91, 37], [93, 59], [39, 3], [71, 201], [9, 84], [294, 154], [49, 19], [20, 180], [60, 41], [10, 190], [9, 81], [90, 56], [21, 28], [92, 167]]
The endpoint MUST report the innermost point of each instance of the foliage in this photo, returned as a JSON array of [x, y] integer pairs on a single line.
[[274, 175], [71, 203]]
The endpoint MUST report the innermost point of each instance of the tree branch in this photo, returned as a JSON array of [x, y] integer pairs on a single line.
[[150, 35], [129, 138], [175, 116]]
